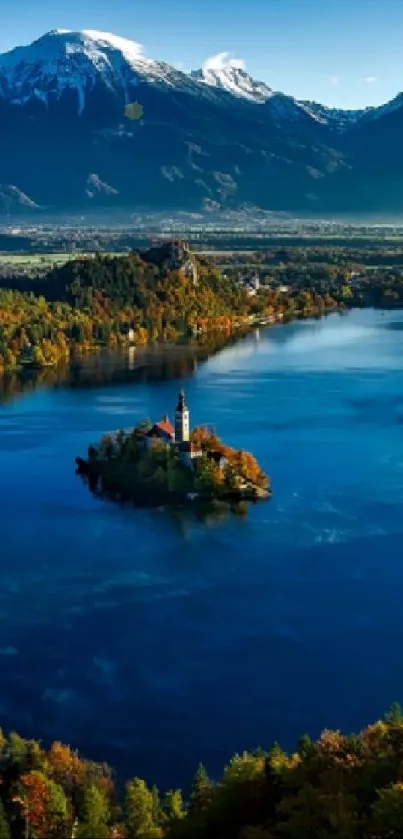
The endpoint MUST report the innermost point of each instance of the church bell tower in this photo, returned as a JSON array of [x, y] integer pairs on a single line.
[[181, 420]]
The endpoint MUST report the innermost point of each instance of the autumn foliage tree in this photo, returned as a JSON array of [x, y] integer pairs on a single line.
[[336, 787], [95, 302], [43, 806]]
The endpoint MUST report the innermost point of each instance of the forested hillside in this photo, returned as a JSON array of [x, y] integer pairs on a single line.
[[341, 786], [98, 301]]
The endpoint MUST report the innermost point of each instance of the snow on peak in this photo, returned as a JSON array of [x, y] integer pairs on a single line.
[[228, 73], [130, 49], [223, 61], [65, 59], [95, 46]]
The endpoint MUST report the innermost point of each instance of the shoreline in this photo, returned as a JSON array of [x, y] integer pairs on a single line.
[[141, 496], [76, 361], [151, 362]]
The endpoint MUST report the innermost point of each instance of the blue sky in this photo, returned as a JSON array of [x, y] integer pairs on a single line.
[[344, 53]]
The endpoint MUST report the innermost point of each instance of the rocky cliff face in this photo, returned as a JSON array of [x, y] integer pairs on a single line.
[[174, 256]]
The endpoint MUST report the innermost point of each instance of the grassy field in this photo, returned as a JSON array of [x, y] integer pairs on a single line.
[[37, 259]]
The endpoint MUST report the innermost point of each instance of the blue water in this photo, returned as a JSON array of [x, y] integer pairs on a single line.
[[154, 641]]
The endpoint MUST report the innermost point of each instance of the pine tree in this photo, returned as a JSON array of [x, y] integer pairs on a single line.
[[173, 807], [305, 746], [16, 752], [95, 815], [35, 758], [395, 714], [156, 805], [140, 807], [202, 790], [58, 817]]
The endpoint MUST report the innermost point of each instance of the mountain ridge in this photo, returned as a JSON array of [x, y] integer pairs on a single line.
[[218, 71], [214, 137]]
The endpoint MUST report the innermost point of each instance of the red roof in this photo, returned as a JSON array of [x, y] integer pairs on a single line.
[[166, 427]]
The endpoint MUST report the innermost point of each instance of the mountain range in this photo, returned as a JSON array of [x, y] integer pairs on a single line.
[[88, 121]]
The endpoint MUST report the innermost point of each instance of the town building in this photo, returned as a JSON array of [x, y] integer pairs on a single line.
[[253, 286]]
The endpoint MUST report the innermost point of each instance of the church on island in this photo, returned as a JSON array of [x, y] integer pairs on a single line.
[[121, 465], [177, 435]]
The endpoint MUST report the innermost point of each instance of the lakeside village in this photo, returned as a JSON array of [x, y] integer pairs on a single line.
[[157, 463]]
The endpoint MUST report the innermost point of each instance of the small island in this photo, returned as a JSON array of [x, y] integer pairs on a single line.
[[158, 463]]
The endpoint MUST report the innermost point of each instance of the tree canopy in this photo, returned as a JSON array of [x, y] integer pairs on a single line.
[[346, 786]]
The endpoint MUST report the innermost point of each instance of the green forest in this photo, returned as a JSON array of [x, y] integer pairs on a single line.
[[108, 301], [99, 301], [345, 786]]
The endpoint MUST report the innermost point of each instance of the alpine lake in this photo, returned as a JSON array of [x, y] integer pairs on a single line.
[[155, 639]]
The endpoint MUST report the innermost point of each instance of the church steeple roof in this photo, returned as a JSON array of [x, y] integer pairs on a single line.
[[181, 401], [181, 420]]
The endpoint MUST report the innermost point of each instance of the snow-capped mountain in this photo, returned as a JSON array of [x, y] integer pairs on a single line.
[[223, 73], [78, 61], [212, 138], [228, 74]]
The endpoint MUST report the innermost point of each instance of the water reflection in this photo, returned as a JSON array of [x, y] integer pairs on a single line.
[[141, 365], [184, 516]]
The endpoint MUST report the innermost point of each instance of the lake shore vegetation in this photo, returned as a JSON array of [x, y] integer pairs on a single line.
[[55, 312], [342, 786], [163, 295]]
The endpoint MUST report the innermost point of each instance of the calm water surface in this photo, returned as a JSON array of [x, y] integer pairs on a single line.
[[154, 641]]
